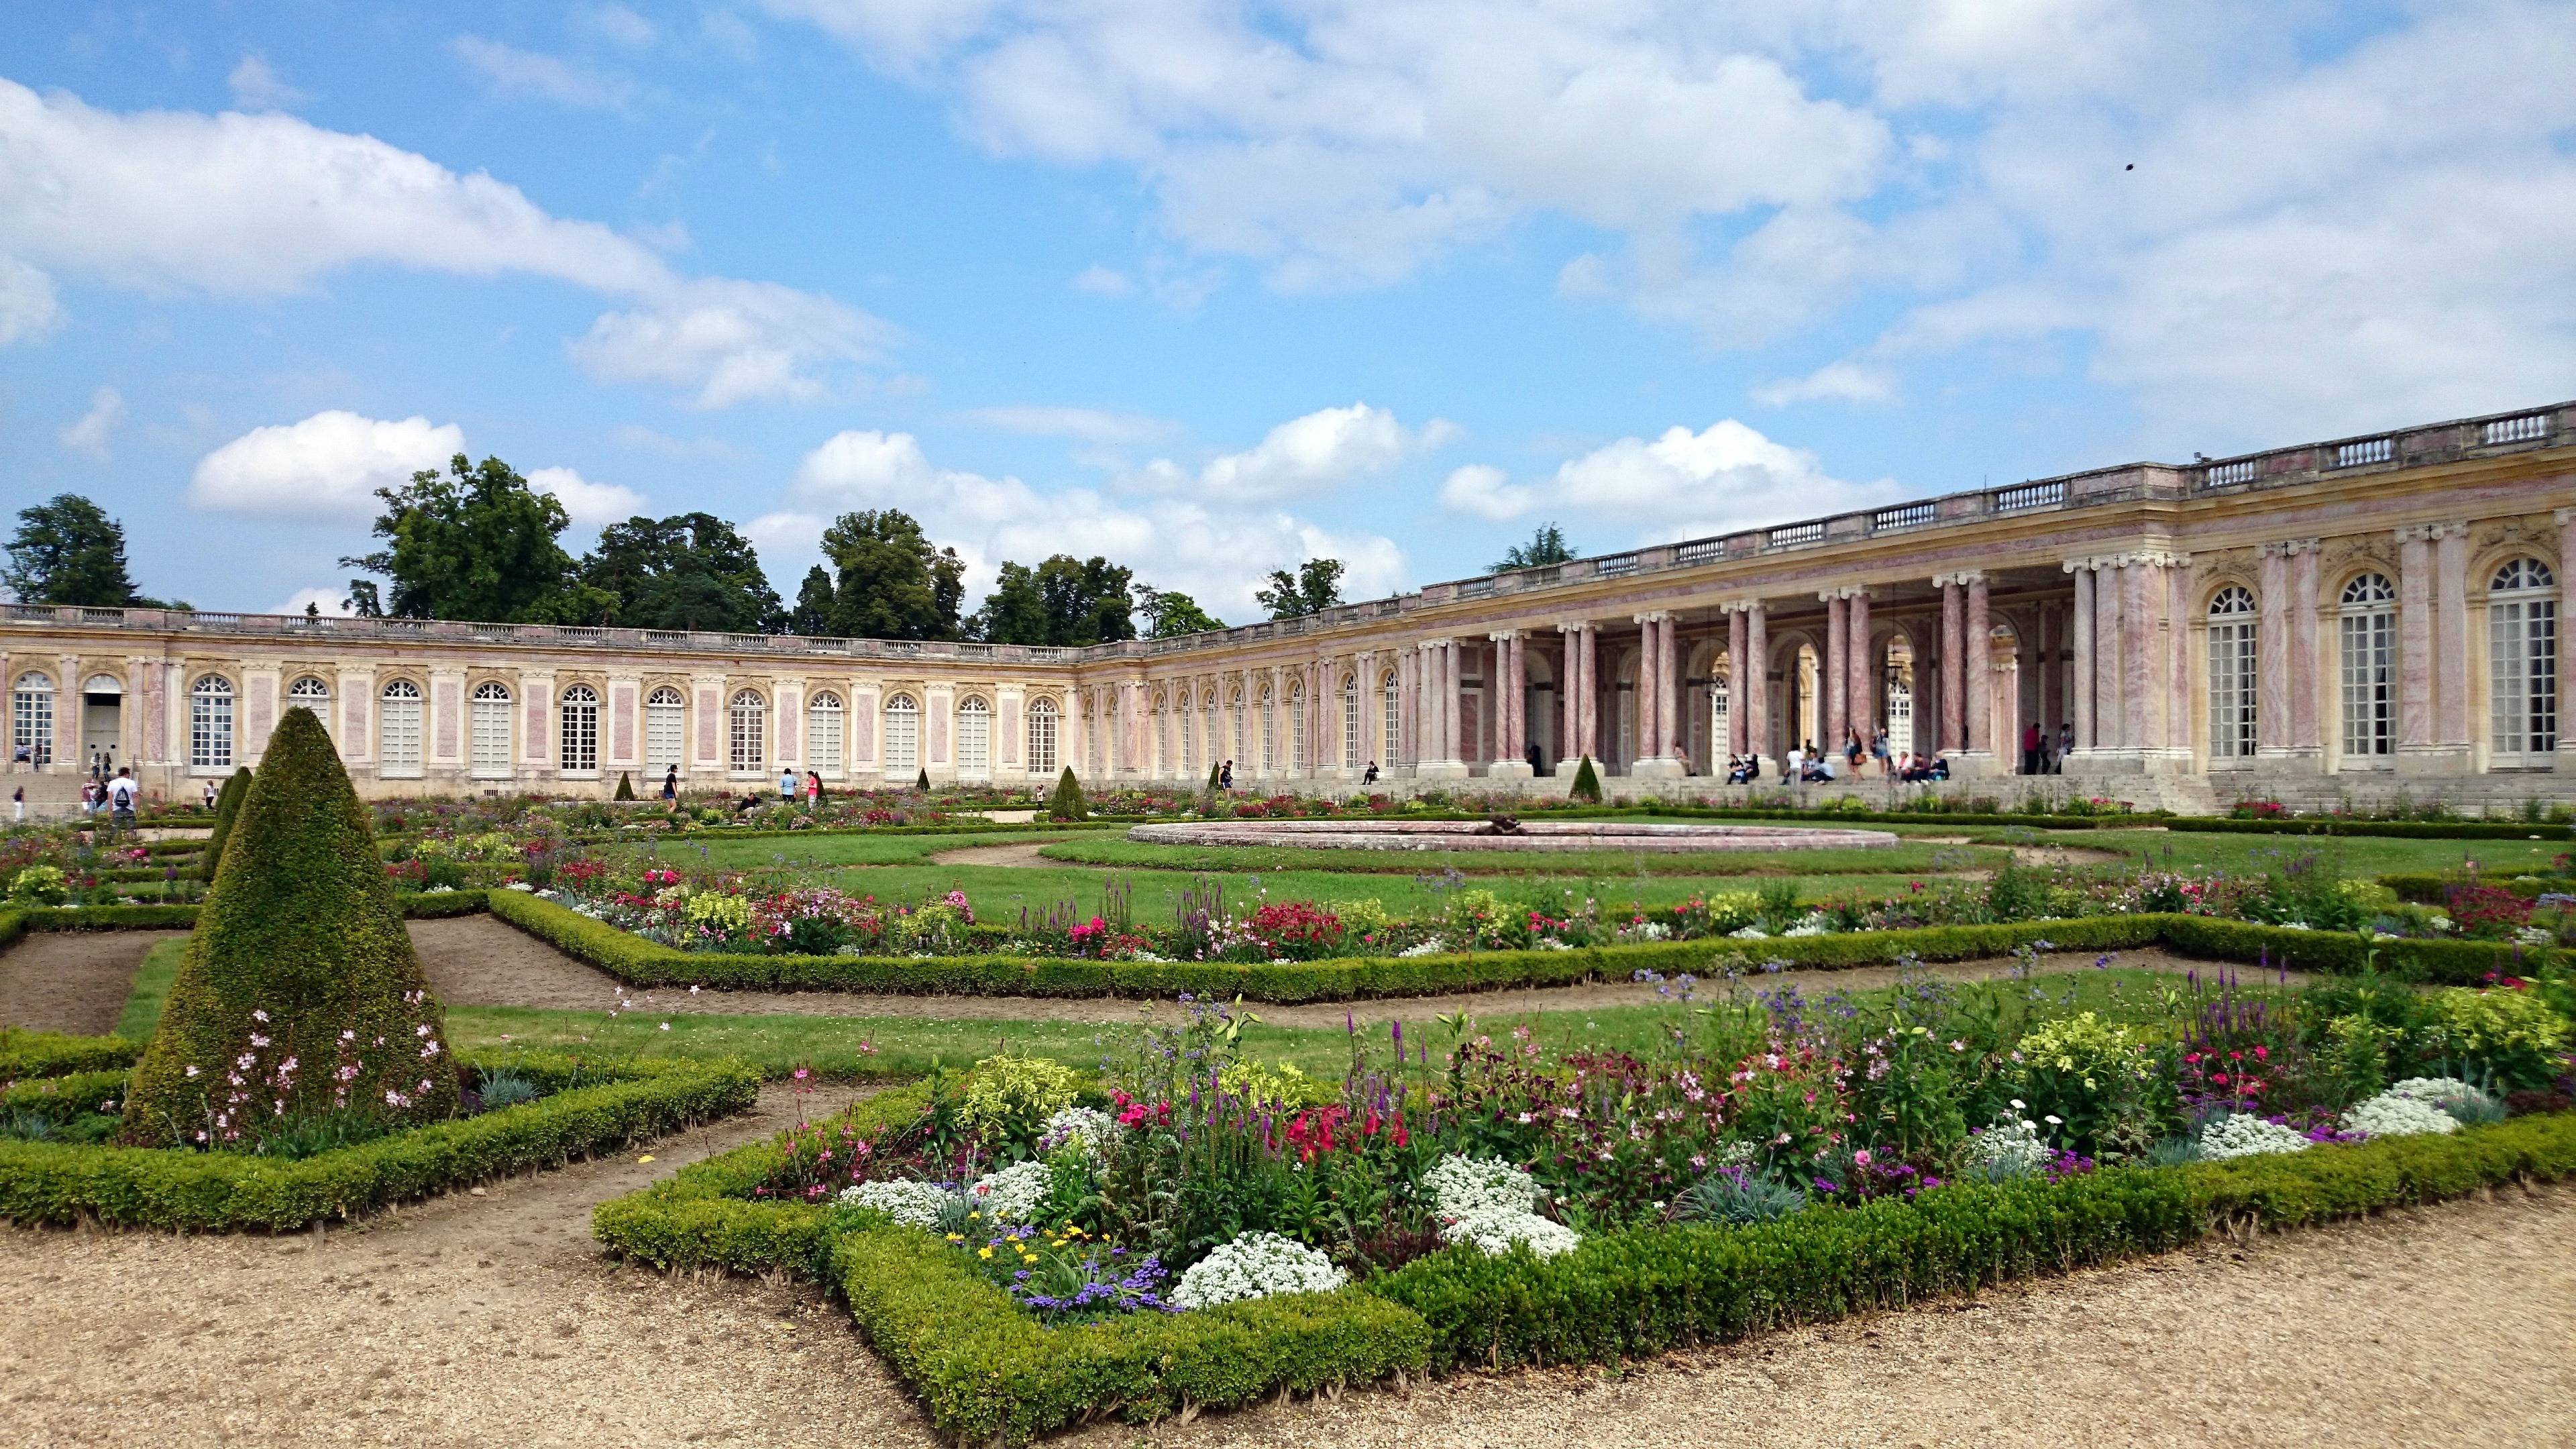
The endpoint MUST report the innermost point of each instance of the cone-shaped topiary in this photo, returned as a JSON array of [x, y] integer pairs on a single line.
[[923, 784], [299, 994], [1587, 785], [625, 786], [227, 806], [1067, 802]]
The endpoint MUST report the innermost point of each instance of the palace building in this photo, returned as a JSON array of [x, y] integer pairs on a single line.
[[2336, 620]]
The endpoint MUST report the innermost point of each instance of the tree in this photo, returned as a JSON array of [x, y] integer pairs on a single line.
[[300, 995], [1170, 613], [1316, 587], [68, 551], [1067, 802], [893, 583], [688, 571], [812, 615], [477, 543], [1064, 600], [1587, 783], [1547, 546]]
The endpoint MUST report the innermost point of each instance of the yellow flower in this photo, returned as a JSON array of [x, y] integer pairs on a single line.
[[956, 1237], [983, 1252], [970, 1217]]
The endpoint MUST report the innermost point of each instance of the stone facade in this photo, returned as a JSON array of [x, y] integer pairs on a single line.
[[2345, 618]]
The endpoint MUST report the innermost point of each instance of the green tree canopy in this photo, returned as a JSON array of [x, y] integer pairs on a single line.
[[688, 571], [1064, 600], [812, 615], [68, 551], [1316, 587], [1170, 613], [477, 543], [893, 583], [1547, 546]]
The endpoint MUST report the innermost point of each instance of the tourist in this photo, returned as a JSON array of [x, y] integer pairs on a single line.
[[22, 760], [2065, 744], [1537, 767], [18, 798], [1225, 776], [1369, 776], [120, 794], [671, 783], [2030, 739], [1851, 750], [787, 784], [210, 794], [813, 788], [1878, 750], [1794, 768]]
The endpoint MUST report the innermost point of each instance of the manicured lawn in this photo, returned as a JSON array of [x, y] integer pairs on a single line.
[[857, 847], [1117, 851], [2359, 855], [151, 987]]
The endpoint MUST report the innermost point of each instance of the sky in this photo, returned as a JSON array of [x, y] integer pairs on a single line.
[[1211, 288]]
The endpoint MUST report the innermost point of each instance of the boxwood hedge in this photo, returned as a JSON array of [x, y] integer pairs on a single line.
[[593, 1106], [985, 1371]]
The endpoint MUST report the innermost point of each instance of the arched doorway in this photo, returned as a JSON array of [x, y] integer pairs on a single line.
[[102, 718], [1896, 693]]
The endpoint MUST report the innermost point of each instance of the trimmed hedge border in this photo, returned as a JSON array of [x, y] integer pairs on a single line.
[[27, 1055], [2428, 890], [44, 1183], [639, 962], [16, 921], [2399, 829], [985, 1371]]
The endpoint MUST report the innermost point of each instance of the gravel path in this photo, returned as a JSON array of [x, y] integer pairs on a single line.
[[493, 1320], [74, 981], [477, 960]]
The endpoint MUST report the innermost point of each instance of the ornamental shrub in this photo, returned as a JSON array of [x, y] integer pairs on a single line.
[[1010, 1099], [2083, 1077], [1067, 803], [625, 786], [1587, 783], [2511, 1034], [299, 994], [227, 808]]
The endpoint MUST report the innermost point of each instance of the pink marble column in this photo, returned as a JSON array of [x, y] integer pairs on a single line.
[[2451, 637], [2414, 641], [2110, 715], [1833, 672], [1516, 694], [1669, 705], [1862, 675], [1569, 692], [1975, 668], [2080, 627], [2180, 587], [1590, 642], [1648, 659], [2140, 681], [1737, 676], [2306, 688], [1954, 663], [1753, 681], [2272, 656]]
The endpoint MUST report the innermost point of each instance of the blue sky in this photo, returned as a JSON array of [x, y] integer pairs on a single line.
[[1211, 287]]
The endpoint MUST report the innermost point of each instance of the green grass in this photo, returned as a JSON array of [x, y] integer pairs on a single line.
[[2360, 855], [851, 848], [1578, 863], [907, 1046], [151, 987]]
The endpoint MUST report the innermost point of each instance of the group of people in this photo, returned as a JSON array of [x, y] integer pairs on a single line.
[[2042, 755], [112, 795]]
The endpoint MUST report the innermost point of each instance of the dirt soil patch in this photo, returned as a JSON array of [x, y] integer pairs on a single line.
[[1023, 856], [494, 1320], [479, 961], [74, 981]]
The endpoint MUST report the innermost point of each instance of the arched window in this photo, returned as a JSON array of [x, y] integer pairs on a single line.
[[1296, 726], [210, 723], [823, 719], [1162, 733], [748, 734], [313, 693], [1351, 723], [398, 731], [1210, 729], [1390, 724], [2231, 674], [2366, 641], [1240, 753], [1721, 709], [974, 738], [1042, 729], [1189, 728], [666, 729], [580, 730], [2522, 661], [1269, 744], [490, 730], [902, 736], [31, 720]]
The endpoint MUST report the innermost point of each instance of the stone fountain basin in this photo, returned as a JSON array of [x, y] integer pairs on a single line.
[[1535, 836]]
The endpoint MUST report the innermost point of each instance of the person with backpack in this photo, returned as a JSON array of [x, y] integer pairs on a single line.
[[120, 796]]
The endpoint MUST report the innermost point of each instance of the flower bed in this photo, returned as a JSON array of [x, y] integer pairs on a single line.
[[584, 1107], [1194, 1228]]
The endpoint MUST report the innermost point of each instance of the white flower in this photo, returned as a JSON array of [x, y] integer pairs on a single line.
[[916, 1203], [1013, 1194], [1814, 925], [1086, 1128], [2415, 1107], [1489, 1202], [2447, 1093], [1255, 1265], [2246, 1135], [1431, 947], [1749, 933], [2009, 1148]]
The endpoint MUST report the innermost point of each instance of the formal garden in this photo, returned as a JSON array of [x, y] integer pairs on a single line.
[[1193, 1125]]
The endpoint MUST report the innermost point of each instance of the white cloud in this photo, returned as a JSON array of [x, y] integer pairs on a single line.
[[259, 205], [1302, 457], [27, 307], [508, 70], [1217, 556], [325, 467], [619, 24], [90, 434], [1083, 425], [1680, 485], [1846, 381], [590, 504], [1100, 281], [333, 602], [256, 86]]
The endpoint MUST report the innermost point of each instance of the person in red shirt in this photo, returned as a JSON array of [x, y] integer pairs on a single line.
[[2030, 749]]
